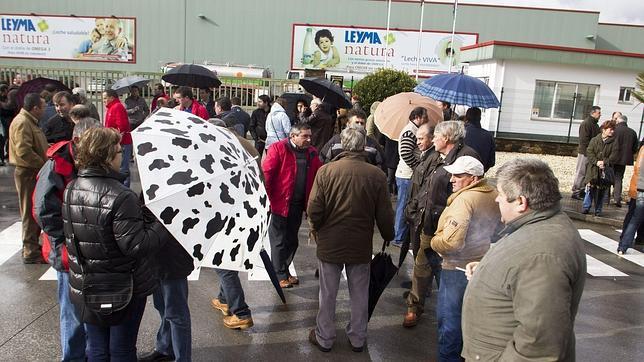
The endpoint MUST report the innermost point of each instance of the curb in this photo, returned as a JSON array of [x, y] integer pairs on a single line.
[[594, 219]]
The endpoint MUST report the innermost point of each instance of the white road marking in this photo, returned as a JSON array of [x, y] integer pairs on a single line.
[[10, 241], [50, 274], [261, 274], [194, 275], [596, 268], [610, 245]]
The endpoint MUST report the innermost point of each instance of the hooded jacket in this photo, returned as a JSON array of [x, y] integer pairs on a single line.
[[466, 225], [278, 125]]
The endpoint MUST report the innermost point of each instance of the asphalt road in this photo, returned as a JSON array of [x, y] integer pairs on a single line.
[[609, 326]]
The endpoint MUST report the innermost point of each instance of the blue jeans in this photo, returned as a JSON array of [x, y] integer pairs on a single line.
[[116, 343], [125, 163], [402, 228], [72, 329], [628, 236], [448, 311], [232, 293], [174, 337], [594, 195]]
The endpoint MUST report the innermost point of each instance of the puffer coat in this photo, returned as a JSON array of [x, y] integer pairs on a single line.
[[112, 235]]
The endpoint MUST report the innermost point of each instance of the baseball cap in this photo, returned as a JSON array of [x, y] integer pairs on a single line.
[[466, 164]]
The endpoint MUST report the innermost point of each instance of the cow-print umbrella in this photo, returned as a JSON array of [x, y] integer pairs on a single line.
[[204, 187]]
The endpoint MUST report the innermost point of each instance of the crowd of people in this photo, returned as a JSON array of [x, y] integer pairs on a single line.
[[508, 264]]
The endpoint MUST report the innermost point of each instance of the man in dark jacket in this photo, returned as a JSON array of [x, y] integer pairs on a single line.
[[344, 233], [289, 169], [136, 107], [587, 130], [60, 127], [373, 150], [448, 141], [479, 139], [321, 124], [418, 190], [626, 138], [52, 179], [258, 123], [240, 114]]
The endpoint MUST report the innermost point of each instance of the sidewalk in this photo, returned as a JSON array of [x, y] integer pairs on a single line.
[[611, 215]]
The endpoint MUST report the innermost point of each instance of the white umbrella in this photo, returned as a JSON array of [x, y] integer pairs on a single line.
[[123, 85], [204, 187]]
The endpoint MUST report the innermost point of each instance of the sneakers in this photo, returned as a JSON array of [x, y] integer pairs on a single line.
[[620, 252], [234, 322], [223, 308], [155, 356], [314, 341]]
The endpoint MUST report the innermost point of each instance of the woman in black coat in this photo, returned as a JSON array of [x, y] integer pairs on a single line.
[[111, 248]]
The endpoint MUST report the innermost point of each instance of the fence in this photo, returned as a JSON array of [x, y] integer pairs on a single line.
[[96, 81], [555, 117]]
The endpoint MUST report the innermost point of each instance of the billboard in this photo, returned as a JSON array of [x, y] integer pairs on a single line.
[[102, 39], [364, 49]]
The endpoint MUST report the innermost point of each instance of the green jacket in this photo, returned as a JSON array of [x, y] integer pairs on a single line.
[[523, 298], [600, 150]]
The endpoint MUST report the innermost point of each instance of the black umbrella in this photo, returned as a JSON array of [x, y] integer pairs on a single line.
[[327, 91], [271, 273], [382, 271], [36, 85], [404, 250], [192, 75]]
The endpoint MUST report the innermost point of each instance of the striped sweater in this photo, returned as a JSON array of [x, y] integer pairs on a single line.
[[408, 151]]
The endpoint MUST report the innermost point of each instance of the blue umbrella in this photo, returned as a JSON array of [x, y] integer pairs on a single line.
[[458, 88]]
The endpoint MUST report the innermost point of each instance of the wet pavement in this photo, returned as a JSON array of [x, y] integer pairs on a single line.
[[609, 326]]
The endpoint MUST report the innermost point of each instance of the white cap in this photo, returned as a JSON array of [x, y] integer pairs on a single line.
[[80, 91], [466, 164]]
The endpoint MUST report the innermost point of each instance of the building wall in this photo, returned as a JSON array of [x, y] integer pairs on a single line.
[[259, 32], [620, 37], [519, 85]]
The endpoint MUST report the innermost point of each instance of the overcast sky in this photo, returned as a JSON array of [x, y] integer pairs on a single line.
[[611, 11]]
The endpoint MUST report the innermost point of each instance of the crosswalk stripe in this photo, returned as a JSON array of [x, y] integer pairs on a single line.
[[597, 268], [10, 241], [261, 274], [50, 274], [610, 245]]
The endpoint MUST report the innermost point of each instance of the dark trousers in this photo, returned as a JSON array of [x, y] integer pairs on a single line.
[[232, 293], [259, 146], [282, 233], [116, 343], [627, 219], [391, 181], [617, 185], [174, 337]]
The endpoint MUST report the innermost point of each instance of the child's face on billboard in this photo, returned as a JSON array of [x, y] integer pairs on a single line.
[[325, 44]]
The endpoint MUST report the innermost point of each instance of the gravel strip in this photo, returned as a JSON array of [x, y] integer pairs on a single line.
[[562, 166]]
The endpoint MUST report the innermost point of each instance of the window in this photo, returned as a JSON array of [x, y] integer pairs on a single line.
[[556, 100], [625, 95]]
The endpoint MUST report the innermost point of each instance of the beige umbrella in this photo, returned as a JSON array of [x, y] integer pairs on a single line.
[[392, 115]]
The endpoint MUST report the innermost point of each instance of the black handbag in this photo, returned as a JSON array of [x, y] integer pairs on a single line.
[[608, 176], [104, 295]]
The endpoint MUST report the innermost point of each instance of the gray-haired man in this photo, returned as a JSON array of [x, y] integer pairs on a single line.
[[522, 298], [343, 233]]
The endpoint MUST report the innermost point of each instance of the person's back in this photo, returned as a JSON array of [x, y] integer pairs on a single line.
[[351, 186], [482, 142], [277, 123]]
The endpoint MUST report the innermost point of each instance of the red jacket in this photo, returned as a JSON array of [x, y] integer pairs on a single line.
[[116, 117], [279, 168], [198, 110]]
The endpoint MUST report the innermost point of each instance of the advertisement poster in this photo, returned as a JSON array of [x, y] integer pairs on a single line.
[[357, 49], [104, 39]]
